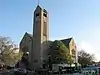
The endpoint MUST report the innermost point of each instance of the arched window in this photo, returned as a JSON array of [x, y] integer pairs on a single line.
[[73, 52], [45, 28]]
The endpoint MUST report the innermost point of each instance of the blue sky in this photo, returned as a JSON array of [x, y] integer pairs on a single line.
[[67, 18]]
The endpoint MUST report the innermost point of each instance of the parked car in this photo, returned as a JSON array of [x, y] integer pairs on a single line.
[[19, 71]]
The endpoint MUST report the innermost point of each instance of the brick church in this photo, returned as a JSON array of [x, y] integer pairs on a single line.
[[37, 43]]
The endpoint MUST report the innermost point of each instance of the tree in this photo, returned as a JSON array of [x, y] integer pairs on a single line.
[[85, 58], [7, 50], [17, 57], [59, 53]]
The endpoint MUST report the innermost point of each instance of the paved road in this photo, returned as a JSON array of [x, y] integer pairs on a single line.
[[62, 74], [68, 74], [31, 73]]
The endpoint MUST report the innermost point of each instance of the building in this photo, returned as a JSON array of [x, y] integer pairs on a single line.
[[26, 43], [71, 45], [37, 44], [40, 34]]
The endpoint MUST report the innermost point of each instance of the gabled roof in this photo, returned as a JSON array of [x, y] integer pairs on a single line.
[[66, 41], [26, 34], [38, 7], [30, 35]]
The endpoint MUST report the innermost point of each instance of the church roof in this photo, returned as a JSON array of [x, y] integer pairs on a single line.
[[38, 7], [30, 35], [66, 41], [26, 34]]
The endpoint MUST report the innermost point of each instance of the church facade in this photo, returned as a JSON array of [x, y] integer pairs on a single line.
[[37, 43]]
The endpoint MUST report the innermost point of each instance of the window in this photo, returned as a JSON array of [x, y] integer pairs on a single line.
[[44, 14], [37, 14], [73, 52], [73, 43], [45, 28], [73, 57]]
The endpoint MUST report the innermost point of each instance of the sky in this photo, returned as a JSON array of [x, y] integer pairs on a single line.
[[79, 19]]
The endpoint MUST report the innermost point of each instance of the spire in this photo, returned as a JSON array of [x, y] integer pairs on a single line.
[[38, 2], [38, 5]]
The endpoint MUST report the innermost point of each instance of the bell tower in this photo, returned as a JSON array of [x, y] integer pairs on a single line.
[[40, 35]]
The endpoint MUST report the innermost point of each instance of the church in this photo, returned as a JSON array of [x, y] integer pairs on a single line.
[[37, 43]]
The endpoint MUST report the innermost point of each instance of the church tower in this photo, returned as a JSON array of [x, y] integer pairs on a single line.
[[40, 35]]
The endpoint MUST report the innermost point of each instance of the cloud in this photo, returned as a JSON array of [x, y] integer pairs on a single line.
[[89, 48], [86, 46], [87, 39], [97, 55]]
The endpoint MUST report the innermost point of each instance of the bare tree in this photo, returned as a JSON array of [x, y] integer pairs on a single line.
[[7, 49], [85, 58]]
